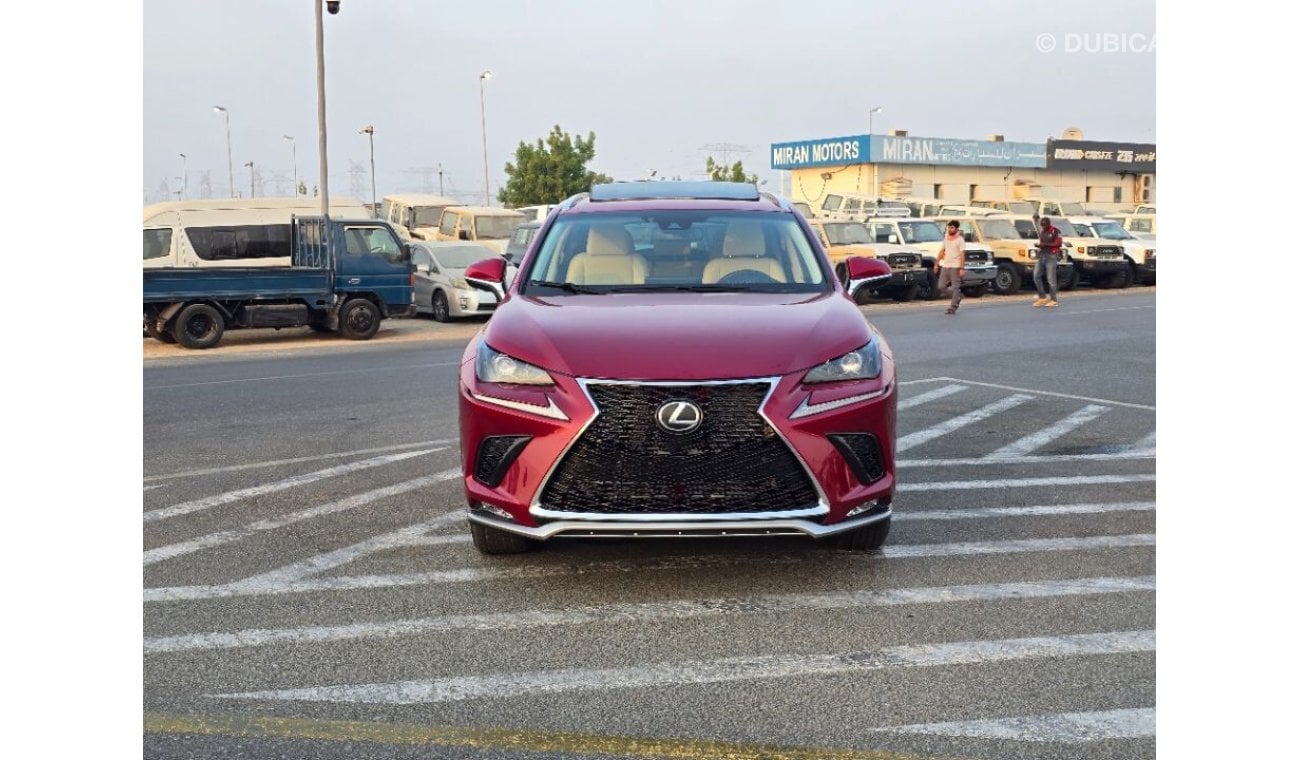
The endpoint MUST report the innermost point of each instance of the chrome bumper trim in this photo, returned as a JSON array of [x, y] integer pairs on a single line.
[[684, 529]]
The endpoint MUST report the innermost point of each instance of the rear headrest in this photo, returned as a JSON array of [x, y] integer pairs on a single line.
[[609, 240], [743, 239]]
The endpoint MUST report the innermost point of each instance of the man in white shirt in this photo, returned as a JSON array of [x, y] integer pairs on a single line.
[[951, 266]]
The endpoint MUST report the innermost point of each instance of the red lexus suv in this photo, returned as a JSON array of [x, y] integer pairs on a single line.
[[677, 359]]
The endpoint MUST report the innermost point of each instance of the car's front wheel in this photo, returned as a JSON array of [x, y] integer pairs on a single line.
[[441, 309], [1007, 280], [489, 540], [866, 538]]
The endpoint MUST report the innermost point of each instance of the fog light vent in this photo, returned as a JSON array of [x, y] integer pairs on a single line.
[[495, 455], [862, 452]]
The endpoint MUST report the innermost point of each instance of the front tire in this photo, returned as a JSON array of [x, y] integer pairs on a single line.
[[1069, 282], [866, 538], [199, 326], [929, 289], [1007, 280], [1122, 279], [489, 540], [359, 319], [441, 309]]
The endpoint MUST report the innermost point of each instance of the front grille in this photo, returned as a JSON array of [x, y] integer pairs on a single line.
[[495, 455], [625, 463], [1106, 250], [977, 257], [903, 260]]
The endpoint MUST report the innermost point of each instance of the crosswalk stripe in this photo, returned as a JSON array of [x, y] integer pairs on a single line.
[[1149, 442], [1079, 480], [1034, 511], [912, 440], [1127, 455], [729, 669], [929, 396], [264, 586], [293, 460], [1041, 438], [687, 608], [1061, 728], [352, 502], [280, 485]]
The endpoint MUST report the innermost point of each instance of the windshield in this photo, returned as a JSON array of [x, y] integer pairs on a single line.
[[1020, 207], [998, 229], [1111, 231], [427, 216], [1067, 229], [1027, 229], [921, 232], [1073, 209], [850, 233], [495, 227], [689, 250], [461, 256]]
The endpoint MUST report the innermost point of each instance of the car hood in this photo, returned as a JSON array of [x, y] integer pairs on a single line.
[[677, 336]]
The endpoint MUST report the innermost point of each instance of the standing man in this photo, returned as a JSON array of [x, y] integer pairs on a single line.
[[1049, 255], [951, 266]]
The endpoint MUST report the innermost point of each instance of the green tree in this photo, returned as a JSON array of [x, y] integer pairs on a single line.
[[550, 171], [719, 173]]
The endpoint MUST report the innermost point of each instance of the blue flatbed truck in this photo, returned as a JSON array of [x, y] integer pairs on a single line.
[[344, 275]]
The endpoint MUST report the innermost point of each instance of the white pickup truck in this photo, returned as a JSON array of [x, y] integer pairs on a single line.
[[1141, 253], [927, 235]]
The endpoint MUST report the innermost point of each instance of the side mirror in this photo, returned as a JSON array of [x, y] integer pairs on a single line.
[[406, 251], [491, 271], [857, 272]]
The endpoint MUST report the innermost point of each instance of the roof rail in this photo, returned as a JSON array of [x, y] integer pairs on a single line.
[[569, 202], [782, 203], [667, 190]]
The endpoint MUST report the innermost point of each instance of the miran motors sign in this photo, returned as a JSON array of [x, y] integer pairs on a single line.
[[1092, 156], [939, 151], [832, 151]]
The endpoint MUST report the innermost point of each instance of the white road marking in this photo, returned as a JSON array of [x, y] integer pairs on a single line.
[[690, 608], [294, 460], [298, 377], [1079, 480], [911, 440], [281, 485], [1038, 511], [351, 502], [1041, 438], [929, 396], [1147, 443], [270, 584], [1127, 455], [730, 669], [1062, 728], [159, 485], [1107, 402]]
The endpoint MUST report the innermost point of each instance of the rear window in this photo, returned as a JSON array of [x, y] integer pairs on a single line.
[[254, 241], [157, 243]]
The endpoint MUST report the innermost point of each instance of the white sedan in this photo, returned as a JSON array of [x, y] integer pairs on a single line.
[[440, 285]]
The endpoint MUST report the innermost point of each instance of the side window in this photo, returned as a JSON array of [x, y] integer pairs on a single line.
[[967, 230], [421, 259], [378, 240], [246, 242], [448, 226], [832, 203], [1141, 225], [157, 243]]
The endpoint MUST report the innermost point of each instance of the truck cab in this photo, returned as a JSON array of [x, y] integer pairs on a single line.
[[486, 225], [927, 234], [1141, 254], [1100, 263], [1014, 254], [843, 240], [415, 216], [858, 206], [1027, 208], [1141, 226], [1054, 208]]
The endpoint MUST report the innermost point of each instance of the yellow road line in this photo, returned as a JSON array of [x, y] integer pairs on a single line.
[[272, 727]]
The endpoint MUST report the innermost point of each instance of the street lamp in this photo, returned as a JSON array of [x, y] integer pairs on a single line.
[[294, 145], [230, 162], [185, 177], [320, 104], [482, 112], [875, 170], [369, 129], [252, 190]]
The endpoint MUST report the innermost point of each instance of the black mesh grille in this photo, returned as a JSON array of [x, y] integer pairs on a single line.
[[495, 455], [626, 464], [862, 452]]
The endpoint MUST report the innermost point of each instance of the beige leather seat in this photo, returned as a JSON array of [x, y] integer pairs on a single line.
[[608, 260], [743, 248]]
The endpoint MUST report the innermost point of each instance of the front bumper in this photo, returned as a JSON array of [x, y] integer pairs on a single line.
[[979, 273], [1098, 267], [516, 497]]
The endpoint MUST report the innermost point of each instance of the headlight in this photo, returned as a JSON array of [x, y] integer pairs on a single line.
[[459, 283], [862, 364], [492, 366]]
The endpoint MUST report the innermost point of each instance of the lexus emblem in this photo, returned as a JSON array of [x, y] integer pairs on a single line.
[[679, 416]]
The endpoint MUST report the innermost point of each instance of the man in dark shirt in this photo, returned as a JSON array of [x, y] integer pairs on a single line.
[[1049, 255]]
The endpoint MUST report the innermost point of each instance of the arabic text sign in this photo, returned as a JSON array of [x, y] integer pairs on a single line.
[[940, 151]]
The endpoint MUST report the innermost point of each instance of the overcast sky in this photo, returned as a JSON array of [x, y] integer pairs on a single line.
[[656, 80]]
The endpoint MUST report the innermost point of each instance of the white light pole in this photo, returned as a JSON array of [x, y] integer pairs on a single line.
[[482, 111], [875, 170], [294, 144], [185, 177], [230, 161], [320, 105], [369, 129], [252, 189]]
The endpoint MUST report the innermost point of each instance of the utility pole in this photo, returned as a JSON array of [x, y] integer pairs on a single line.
[[252, 190], [185, 177], [726, 149]]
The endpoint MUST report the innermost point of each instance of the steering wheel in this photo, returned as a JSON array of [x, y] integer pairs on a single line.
[[746, 277]]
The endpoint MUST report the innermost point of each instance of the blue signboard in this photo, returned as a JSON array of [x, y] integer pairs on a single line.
[[939, 151], [830, 151], [881, 149]]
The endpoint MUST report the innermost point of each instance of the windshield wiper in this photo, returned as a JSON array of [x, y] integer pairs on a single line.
[[568, 287], [709, 288]]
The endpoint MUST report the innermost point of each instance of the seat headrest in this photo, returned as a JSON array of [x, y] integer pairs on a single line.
[[609, 240], [743, 239]]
